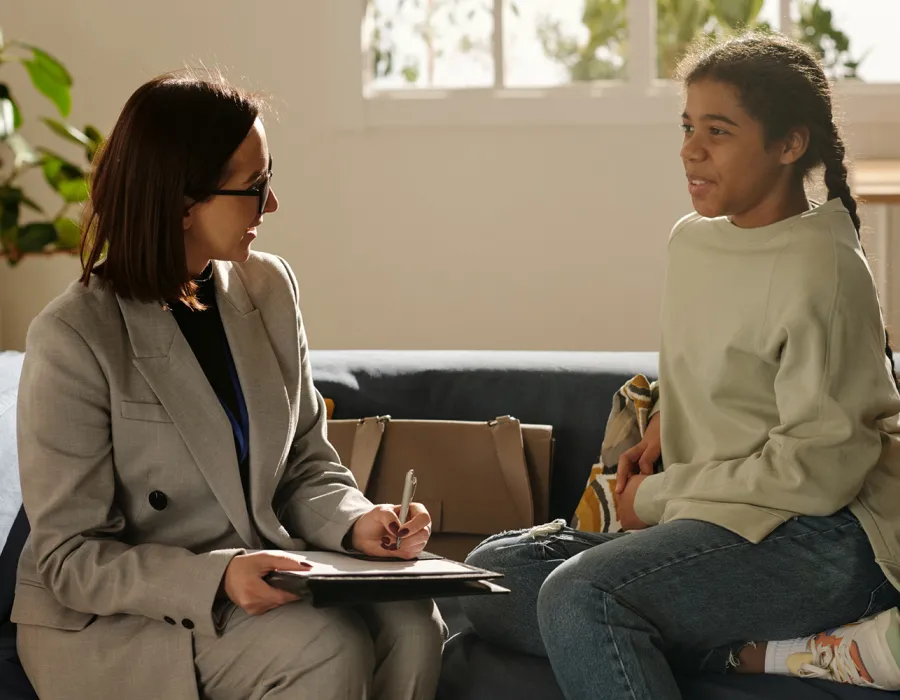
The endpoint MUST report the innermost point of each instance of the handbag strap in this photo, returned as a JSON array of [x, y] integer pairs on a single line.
[[366, 443], [507, 433]]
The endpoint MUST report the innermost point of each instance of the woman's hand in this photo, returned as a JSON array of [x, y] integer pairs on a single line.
[[244, 585], [641, 457], [377, 531], [625, 504]]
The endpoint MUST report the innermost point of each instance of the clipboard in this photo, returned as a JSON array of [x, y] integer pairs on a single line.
[[341, 579]]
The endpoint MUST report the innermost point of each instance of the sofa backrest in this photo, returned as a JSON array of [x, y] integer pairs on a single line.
[[572, 391]]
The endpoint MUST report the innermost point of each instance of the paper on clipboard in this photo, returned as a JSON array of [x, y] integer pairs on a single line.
[[336, 564]]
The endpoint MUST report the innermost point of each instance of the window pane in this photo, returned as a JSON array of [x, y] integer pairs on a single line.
[[856, 38], [679, 22], [554, 42], [428, 43]]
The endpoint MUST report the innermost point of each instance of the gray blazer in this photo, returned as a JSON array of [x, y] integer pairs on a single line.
[[131, 482]]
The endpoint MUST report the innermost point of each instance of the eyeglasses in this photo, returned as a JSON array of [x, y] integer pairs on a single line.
[[260, 190]]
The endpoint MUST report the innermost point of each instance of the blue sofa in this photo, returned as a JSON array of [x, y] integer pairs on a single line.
[[571, 391]]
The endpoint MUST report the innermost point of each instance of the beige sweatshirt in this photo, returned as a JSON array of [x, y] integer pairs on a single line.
[[776, 396]]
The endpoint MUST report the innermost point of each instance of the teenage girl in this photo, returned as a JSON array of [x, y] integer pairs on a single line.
[[778, 513]]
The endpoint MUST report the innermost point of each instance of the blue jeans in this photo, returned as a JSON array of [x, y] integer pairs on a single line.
[[619, 614]]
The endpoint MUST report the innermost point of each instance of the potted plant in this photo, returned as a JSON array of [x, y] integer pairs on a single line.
[[44, 232]]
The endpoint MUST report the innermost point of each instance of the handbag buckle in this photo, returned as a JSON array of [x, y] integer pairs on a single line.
[[378, 419]]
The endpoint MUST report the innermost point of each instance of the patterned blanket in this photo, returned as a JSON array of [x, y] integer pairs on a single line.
[[631, 412]]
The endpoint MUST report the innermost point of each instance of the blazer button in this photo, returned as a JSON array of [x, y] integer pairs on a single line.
[[158, 500], [187, 624], [169, 620]]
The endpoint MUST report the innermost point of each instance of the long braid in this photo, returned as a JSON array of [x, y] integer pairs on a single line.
[[832, 154]]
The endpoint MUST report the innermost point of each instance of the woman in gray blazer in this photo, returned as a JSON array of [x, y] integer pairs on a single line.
[[172, 444]]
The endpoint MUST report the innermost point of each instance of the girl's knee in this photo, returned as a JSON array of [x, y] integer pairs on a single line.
[[566, 593], [499, 552]]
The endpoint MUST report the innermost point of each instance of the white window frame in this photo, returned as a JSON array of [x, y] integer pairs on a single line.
[[643, 99]]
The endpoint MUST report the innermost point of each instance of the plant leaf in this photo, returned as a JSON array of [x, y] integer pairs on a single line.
[[68, 234], [67, 132], [737, 13], [23, 153], [96, 139], [67, 179], [17, 114], [33, 238], [411, 73], [75, 190], [15, 194], [9, 213], [31, 204], [50, 78]]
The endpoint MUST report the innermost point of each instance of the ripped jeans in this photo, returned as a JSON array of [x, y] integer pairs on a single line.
[[618, 615]]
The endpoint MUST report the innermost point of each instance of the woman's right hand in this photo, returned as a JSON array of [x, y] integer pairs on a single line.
[[244, 583], [641, 457]]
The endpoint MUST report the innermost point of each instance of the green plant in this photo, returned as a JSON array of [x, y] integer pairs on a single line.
[[679, 22], [816, 28], [42, 234], [442, 26]]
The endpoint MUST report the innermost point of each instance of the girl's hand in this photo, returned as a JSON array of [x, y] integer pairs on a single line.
[[641, 457], [625, 505]]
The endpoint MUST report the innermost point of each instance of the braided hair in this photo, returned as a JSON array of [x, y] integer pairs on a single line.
[[782, 85]]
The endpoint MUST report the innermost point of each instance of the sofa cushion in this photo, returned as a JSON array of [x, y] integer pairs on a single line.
[[475, 670]]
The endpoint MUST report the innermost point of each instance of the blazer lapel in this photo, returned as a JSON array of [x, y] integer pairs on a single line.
[[265, 394], [167, 363]]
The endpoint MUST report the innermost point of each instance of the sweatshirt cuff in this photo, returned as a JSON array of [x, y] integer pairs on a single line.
[[648, 506], [657, 404]]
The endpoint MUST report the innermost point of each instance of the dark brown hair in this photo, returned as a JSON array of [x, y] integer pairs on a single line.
[[170, 146], [781, 84]]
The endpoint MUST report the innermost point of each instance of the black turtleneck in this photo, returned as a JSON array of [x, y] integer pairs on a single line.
[[206, 335]]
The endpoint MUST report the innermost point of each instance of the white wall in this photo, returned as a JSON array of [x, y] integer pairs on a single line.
[[526, 238]]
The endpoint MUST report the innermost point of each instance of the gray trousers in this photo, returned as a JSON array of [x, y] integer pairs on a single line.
[[385, 651]]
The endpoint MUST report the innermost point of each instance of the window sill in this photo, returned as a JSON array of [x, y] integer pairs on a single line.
[[580, 105]]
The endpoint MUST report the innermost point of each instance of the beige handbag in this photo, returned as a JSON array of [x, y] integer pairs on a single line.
[[475, 478]]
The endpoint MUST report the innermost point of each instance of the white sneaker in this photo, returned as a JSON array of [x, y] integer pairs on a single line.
[[865, 653]]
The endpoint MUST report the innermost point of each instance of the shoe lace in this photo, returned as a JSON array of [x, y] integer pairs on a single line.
[[833, 665]]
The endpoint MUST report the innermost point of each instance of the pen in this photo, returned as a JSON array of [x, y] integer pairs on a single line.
[[409, 488]]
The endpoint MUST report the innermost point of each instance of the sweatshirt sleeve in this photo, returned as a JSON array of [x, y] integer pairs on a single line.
[[832, 387]]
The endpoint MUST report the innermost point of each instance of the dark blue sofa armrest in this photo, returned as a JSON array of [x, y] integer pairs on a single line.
[[9, 561], [14, 684]]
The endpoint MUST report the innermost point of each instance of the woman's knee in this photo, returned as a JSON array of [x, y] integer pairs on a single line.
[[336, 652], [412, 628], [346, 642]]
